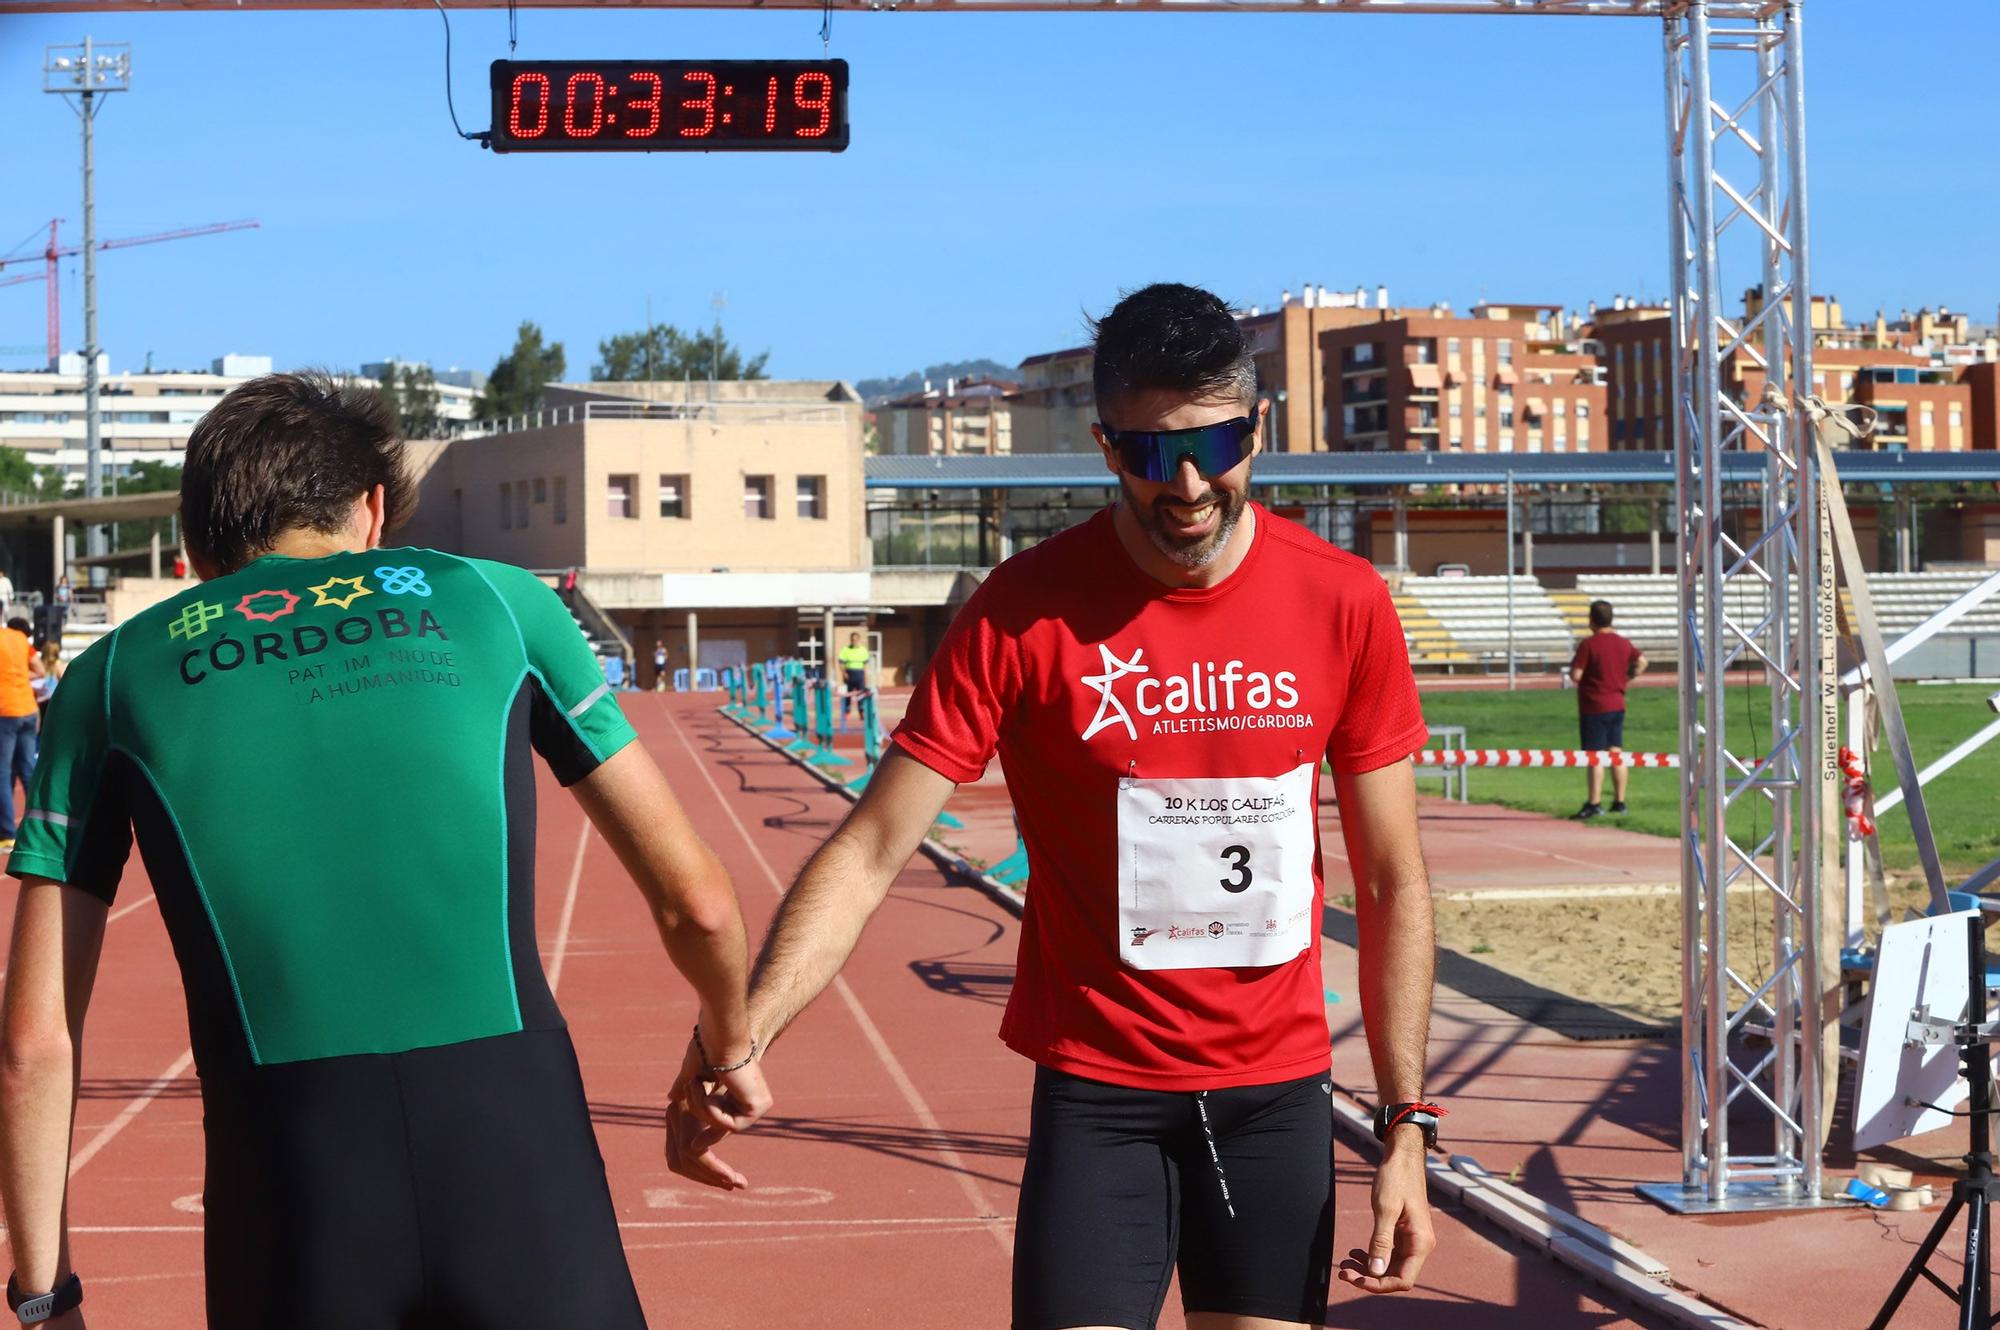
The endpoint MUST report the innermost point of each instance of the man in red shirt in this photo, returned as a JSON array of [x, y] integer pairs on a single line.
[[1604, 664], [1161, 684]]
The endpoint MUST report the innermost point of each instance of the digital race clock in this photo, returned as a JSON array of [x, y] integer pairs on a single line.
[[669, 105]]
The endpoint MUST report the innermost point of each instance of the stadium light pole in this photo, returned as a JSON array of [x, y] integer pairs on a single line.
[[87, 72]]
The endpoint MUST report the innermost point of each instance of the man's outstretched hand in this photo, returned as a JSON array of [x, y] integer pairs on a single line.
[[702, 1110], [1403, 1239]]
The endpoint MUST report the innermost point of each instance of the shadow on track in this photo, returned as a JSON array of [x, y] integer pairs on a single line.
[[895, 1141]]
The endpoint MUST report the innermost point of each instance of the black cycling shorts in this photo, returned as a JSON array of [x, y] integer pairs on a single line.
[[1235, 1187], [457, 1186], [1602, 732]]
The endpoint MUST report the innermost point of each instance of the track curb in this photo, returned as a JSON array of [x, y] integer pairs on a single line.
[[1606, 1260]]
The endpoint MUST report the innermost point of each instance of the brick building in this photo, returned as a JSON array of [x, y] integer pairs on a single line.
[[1504, 378]]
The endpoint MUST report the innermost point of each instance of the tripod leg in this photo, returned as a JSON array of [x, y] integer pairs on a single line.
[[1972, 1294], [1918, 1262]]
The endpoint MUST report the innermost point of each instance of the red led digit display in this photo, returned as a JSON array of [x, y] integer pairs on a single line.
[[669, 105]]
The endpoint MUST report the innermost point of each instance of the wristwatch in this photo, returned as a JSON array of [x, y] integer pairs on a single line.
[[1421, 1115], [65, 1296]]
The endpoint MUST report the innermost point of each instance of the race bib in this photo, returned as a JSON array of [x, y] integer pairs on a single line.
[[1215, 872]]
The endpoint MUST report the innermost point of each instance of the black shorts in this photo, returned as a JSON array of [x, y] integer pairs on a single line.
[[458, 1187], [1603, 731], [1121, 1187], [857, 680]]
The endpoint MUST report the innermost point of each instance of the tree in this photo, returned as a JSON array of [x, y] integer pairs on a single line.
[[515, 385], [18, 474], [665, 352], [411, 393]]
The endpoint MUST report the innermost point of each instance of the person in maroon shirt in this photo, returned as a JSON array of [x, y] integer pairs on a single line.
[[1604, 664], [1162, 684]]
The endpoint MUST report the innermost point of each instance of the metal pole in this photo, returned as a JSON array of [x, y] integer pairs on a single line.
[[1818, 765], [1705, 448], [93, 473], [1510, 579]]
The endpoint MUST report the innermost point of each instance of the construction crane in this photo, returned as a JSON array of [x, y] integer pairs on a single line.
[[51, 255]]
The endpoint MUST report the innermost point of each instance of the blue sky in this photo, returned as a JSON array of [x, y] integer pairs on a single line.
[[1008, 173]]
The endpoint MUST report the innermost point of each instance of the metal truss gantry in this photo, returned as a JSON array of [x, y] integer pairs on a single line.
[[1755, 600]]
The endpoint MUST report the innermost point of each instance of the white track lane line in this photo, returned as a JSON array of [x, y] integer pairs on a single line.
[[555, 965], [982, 1208], [111, 918], [109, 1131]]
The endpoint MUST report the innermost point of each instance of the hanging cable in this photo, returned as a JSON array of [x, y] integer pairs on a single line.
[[826, 27], [476, 138], [513, 27]]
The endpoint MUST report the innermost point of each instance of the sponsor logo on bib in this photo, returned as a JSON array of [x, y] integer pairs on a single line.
[[1205, 697]]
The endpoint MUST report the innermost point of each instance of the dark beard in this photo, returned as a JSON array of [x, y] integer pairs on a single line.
[[1196, 553]]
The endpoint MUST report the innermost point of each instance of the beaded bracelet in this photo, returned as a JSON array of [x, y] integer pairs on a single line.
[[721, 1071]]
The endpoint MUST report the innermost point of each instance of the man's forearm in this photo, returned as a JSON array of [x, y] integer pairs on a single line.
[[1398, 960], [715, 960], [37, 1100], [815, 931]]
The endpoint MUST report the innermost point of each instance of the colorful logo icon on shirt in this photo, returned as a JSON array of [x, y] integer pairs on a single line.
[[324, 591], [403, 581], [194, 620], [267, 614]]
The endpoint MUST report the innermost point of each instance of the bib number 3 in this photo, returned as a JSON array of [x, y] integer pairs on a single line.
[[1216, 872], [1239, 859]]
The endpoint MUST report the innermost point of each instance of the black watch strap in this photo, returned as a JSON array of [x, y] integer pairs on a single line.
[[1423, 1116], [66, 1296]]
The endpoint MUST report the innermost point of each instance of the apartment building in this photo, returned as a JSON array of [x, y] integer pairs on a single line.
[[146, 415], [1055, 405], [1504, 378], [728, 515], [1286, 344], [964, 417]]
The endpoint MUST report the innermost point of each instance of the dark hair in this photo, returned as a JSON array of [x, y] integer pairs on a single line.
[[20, 625], [287, 451], [1600, 614], [1173, 337]]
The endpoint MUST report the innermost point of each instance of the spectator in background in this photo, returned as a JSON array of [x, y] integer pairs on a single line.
[[854, 674], [614, 672], [19, 716], [1604, 664], [180, 564], [659, 666], [52, 672], [6, 594]]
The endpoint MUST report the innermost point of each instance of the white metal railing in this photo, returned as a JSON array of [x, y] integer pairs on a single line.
[[809, 411]]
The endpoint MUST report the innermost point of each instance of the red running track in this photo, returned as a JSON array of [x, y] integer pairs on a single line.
[[883, 1186]]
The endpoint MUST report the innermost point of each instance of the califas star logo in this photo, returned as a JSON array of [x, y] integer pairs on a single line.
[[355, 591], [243, 606], [1110, 711]]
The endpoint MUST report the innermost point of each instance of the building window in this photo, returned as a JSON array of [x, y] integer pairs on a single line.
[[1506, 417], [675, 499], [541, 489], [812, 497], [521, 503], [506, 505], [1506, 351], [618, 501], [1582, 409], [1456, 411], [1451, 349], [1427, 350], [1562, 407], [757, 498], [561, 504]]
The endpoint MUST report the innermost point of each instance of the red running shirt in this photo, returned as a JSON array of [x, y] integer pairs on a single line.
[[1606, 660], [1096, 684]]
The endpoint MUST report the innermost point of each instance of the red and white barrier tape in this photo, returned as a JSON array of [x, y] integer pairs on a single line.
[[1854, 793], [1541, 757]]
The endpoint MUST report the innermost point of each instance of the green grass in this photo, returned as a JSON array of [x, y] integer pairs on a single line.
[[1962, 802]]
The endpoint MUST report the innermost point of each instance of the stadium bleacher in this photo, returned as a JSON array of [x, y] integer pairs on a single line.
[[1460, 623]]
